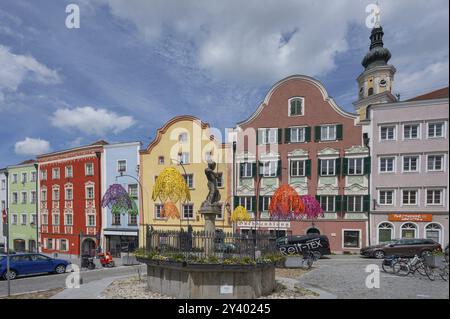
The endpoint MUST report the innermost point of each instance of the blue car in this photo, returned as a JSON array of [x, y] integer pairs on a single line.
[[31, 264]]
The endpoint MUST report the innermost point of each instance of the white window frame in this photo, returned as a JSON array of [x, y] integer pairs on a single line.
[[191, 177], [44, 219], [355, 159], [66, 223], [68, 169], [443, 163], [43, 195], [131, 189], [119, 166], [14, 178], [354, 204], [58, 174], [244, 200], [303, 106], [394, 164], [386, 190], [300, 162], [416, 229], [441, 231], [33, 219], [160, 206], [359, 238], [86, 170], [419, 130], [183, 206], [394, 138], [444, 129], [87, 192], [298, 128], [409, 190], [268, 136], [442, 191], [33, 201], [33, 176], [56, 219], [88, 216], [15, 219], [15, 198], [246, 165], [60, 244], [270, 168], [185, 158], [22, 179], [333, 160], [327, 202], [23, 199], [417, 164], [183, 138], [65, 193], [23, 219], [392, 230], [56, 198], [43, 174], [329, 128]]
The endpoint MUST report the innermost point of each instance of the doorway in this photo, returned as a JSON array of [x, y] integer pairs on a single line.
[[88, 247]]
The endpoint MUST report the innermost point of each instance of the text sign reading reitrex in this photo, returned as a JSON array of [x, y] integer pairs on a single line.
[[410, 217]]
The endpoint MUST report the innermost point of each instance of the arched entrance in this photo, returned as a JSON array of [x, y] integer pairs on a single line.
[[19, 245], [88, 247], [313, 231]]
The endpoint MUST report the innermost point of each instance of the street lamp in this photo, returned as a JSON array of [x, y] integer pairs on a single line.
[[36, 165], [366, 140], [7, 234]]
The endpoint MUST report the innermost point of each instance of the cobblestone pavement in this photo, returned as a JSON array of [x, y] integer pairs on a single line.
[[346, 279]]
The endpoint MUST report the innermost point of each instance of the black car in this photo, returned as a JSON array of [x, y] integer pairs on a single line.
[[292, 245]]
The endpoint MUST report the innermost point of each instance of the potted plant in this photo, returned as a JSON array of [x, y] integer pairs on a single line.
[[435, 259]]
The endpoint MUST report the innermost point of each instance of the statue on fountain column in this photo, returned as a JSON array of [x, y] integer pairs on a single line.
[[213, 198]]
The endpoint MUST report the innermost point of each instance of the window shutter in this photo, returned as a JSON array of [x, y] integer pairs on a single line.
[[318, 167], [344, 167], [338, 166], [236, 201], [279, 168], [367, 166], [366, 203], [318, 198], [307, 134], [344, 203], [287, 135], [261, 169], [280, 136], [253, 203], [339, 132], [308, 168], [338, 203], [253, 169], [260, 204], [258, 136], [241, 169], [317, 133]]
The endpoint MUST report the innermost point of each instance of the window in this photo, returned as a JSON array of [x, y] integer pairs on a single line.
[[23, 219], [209, 156], [14, 219], [270, 168], [69, 194], [386, 197], [188, 211], [158, 211], [68, 219], [55, 173], [49, 242], [370, 92], [410, 163], [24, 197], [387, 164], [116, 219], [269, 135], [351, 238], [43, 174], [43, 195], [33, 197], [122, 166], [90, 192], [44, 219], [33, 177], [3, 206], [90, 220], [433, 232], [327, 203], [385, 232], [435, 130], [246, 202], [434, 162], [184, 158], [297, 168], [409, 197], [3, 183], [160, 160], [133, 190], [183, 138], [33, 219], [411, 131], [132, 220], [387, 133], [220, 180], [55, 219], [409, 231], [56, 194], [69, 172], [14, 178], [15, 198], [434, 196], [328, 132], [63, 245], [327, 167], [23, 180], [355, 166], [89, 169], [265, 203], [296, 107], [189, 178], [354, 203], [297, 134], [246, 170]]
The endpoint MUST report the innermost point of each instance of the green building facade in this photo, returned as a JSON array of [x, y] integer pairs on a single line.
[[22, 201]]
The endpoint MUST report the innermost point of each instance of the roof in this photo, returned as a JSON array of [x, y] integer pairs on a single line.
[[433, 95], [99, 143], [30, 161]]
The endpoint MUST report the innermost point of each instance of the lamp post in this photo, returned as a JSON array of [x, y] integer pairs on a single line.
[[366, 144], [37, 208], [7, 234], [180, 162]]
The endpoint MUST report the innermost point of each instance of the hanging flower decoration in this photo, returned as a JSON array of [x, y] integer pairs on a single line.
[[312, 207], [117, 199], [286, 204], [240, 214], [171, 185], [134, 211], [170, 210]]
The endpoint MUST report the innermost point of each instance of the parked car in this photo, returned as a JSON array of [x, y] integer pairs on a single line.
[[318, 244], [30, 264], [402, 248]]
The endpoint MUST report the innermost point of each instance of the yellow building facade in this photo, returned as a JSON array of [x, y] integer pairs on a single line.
[[185, 143]]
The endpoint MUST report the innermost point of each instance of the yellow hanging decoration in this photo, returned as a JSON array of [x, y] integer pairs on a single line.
[[240, 214], [171, 185], [170, 210]]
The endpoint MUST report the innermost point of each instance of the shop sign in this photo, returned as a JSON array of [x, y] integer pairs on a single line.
[[410, 217]]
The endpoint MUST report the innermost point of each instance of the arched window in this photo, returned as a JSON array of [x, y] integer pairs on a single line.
[[409, 230], [433, 231], [296, 107], [385, 232], [370, 92]]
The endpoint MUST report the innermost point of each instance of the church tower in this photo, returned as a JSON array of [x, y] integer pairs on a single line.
[[375, 82]]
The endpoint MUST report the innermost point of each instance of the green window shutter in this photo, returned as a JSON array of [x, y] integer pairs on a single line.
[[339, 132], [318, 167], [279, 168], [261, 208], [344, 203], [367, 165], [338, 203], [318, 198], [261, 169], [258, 136], [307, 134], [338, 167], [236, 201], [308, 168], [287, 135], [280, 136], [241, 169], [253, 169], [366, 203], [317, 133], [254, 203], [345, 166]]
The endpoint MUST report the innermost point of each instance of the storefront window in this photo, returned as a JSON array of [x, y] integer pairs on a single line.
[[409, 231], [385, 232], [351, 238], [433, 231]]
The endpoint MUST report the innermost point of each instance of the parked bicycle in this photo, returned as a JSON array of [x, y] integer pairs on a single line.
[[440, 269], [410, 266], [309, 257], [388, 263]]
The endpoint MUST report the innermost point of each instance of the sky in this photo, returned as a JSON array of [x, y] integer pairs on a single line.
[[132, 65]]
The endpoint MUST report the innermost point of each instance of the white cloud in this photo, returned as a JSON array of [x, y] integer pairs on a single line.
[[32, 146], [15, 69], [91, 121]]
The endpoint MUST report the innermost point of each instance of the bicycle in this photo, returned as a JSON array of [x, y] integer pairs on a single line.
[[309, 258], [441, 270], [389, 261], [404, 268]]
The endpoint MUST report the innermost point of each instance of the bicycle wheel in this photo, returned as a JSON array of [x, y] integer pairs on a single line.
[[401, 268], [430, 273], [422, 269], [444, 273], [387, 268]]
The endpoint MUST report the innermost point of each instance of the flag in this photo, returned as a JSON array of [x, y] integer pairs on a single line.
[[4, 216]]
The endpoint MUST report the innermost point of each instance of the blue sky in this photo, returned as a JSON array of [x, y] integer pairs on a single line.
[[132, 65]]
